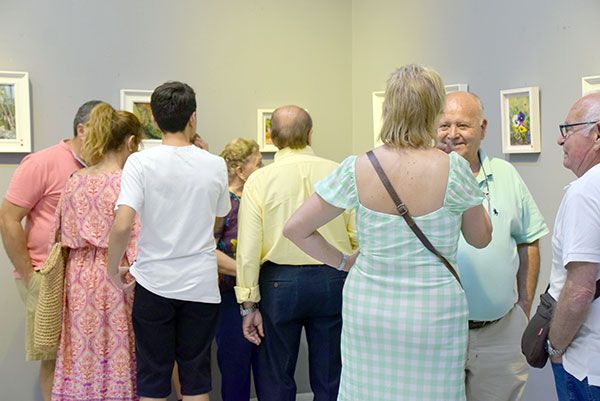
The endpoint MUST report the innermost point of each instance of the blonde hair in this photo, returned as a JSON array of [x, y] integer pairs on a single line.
[[237, 152], [108, 130], [414, 98]]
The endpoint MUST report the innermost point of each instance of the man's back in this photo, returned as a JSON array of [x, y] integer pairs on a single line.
[[178, 192], [273, 193]]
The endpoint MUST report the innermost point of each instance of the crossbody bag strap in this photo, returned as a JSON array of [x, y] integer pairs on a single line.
[[403, 211]]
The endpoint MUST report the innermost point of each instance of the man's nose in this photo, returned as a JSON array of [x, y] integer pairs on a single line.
[[452, 132]]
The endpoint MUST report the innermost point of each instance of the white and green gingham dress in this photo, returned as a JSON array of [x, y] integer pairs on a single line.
[[404, 334]]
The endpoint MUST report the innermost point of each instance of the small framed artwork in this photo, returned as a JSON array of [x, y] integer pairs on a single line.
[[138, 102], [377, 99], [590, 85], [263, 133], [456, 88], [15, 114], [521, 120]]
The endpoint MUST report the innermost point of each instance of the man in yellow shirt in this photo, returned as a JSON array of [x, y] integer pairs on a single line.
[[294, 290]]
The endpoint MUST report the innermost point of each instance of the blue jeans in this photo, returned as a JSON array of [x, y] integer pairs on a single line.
[[236, 355], [292, 298], [568, 388]]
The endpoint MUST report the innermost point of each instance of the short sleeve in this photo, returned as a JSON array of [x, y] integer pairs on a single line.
[[132, 188], [224, 202], [580, 228], [27, 186], [532, 225], [339, 187], [463, 191]]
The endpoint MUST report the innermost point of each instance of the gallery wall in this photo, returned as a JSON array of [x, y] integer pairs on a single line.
[[239, 56], [327, 56], [491, 45]]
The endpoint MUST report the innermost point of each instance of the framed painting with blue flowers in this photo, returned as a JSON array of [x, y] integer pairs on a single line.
[[521, 120]]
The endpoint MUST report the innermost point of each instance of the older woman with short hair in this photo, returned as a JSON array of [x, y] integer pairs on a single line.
[[235, 355], [404, 334]]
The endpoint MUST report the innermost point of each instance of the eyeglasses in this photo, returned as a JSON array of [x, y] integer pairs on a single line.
[[565, 127]]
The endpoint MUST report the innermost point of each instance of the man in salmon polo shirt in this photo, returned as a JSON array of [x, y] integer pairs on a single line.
[[34, 192]]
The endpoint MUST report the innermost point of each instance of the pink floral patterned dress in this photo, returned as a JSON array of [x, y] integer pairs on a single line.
[[96, 359]]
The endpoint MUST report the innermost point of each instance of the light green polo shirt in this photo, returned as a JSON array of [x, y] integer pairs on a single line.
[[489, 275]]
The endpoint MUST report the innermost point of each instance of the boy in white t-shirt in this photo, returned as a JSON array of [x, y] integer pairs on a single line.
[[178, 190]]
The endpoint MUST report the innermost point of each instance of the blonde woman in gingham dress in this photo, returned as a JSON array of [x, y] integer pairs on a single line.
[[404, 333]]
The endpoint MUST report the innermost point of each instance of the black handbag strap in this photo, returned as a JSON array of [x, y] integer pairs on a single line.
[[403, 211]]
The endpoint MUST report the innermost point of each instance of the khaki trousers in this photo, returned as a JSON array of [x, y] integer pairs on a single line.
[[496, 369]]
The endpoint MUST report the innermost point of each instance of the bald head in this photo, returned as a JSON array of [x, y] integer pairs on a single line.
[[586, 109], [291, 127], [466, 101]]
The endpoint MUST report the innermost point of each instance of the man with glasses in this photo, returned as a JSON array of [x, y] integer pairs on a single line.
[[574, 343], [499, 280]]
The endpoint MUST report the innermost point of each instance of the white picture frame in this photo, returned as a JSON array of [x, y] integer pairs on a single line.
[[520, 111], [456, 88], [137, 101], [15, 112], [590, 85], [377, 101], [263, 136]]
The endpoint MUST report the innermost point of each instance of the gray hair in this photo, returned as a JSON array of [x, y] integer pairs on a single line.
[[83, 114]]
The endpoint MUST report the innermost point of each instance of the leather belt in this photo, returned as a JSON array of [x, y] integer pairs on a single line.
[[477, 324]]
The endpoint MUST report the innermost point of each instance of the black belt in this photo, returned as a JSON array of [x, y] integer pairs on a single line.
[[477, 324]]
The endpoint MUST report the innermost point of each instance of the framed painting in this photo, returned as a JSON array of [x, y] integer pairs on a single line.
[[520, 120], [15, 114], [263, 133], [590, 85], [377, 100], [138, 102], [456, 88]]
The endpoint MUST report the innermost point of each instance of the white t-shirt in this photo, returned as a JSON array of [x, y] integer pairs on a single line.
[[576, 238], [178, 192]]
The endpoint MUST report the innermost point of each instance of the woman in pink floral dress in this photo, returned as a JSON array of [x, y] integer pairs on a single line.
[[96, 359]]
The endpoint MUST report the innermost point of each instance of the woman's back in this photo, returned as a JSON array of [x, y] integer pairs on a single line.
[[419, 176]]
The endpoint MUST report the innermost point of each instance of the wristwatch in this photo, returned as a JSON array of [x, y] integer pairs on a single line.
[[247, 311], [343, 263], [553, 351]]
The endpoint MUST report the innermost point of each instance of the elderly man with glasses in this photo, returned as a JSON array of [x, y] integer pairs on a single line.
[[574, 340]]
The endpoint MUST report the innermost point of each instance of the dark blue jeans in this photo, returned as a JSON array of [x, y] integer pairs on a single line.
[[236, 355], [292, 298], [568, 388]]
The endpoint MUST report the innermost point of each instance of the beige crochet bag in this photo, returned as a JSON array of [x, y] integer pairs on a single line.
[[48, 316]]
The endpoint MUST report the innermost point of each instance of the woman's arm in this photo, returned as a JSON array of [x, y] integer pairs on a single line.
[[477, 226], [225, 264], [302, 227]]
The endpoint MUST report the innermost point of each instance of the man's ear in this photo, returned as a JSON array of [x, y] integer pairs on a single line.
[[80, 131], [192, 121], [483, 128], [595, 135], [309, 137]]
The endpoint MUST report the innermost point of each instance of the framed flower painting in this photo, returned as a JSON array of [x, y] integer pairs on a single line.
[[521, 120]]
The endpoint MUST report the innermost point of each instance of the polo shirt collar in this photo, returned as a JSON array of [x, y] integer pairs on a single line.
[[486, 165], [287, 152], [64, 145]]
